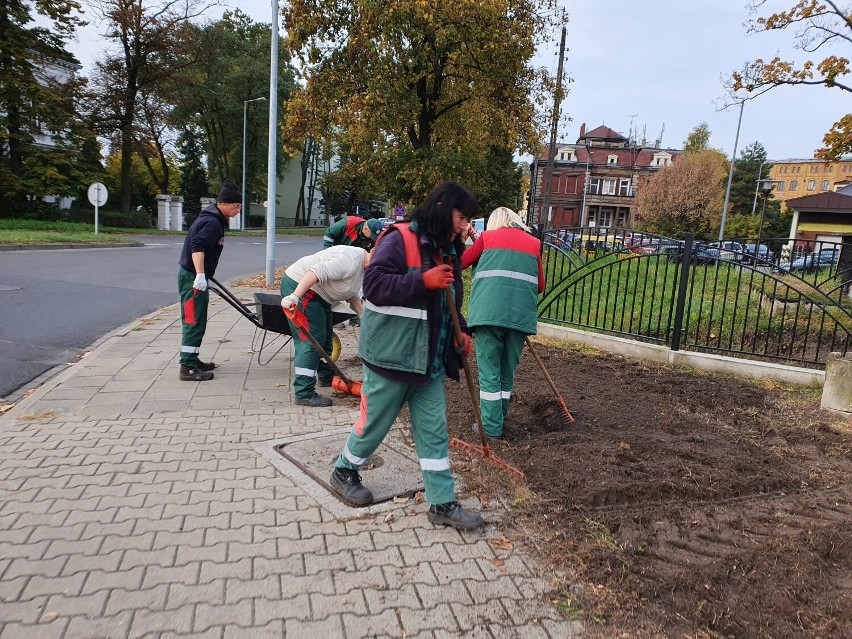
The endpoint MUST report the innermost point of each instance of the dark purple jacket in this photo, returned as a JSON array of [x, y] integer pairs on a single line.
[[389, 258]]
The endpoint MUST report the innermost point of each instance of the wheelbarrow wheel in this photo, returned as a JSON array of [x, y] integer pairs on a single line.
[[335, 346]]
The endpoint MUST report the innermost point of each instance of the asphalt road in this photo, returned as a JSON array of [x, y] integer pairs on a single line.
[[54, 304]]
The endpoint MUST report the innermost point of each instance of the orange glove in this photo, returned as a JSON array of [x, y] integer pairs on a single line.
[[463, 348], [440, 276]]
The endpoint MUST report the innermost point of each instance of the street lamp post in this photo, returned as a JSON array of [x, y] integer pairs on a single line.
[[765, 187], [243, 183]]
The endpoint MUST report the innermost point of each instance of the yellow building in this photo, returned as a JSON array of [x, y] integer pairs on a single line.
[[797, 178]]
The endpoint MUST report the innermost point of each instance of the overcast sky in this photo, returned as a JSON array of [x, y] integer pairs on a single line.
[[661, 62]]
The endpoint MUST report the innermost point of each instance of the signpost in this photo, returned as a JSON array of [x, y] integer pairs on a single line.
[[97, 197]]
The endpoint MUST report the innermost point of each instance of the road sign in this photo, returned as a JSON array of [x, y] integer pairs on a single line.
[[97, 194]]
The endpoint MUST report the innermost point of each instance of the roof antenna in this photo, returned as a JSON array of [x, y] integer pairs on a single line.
[[659, 140]]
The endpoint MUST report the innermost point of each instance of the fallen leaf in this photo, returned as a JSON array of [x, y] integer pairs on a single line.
[[390, 518], [49, 616], [498, 562], [501, 544], [624, 445], [47, 414], [400, 500], [419, 497], [6, 407]]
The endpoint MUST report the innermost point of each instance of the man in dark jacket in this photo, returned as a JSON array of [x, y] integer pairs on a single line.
[[407, 348], [202, 248]]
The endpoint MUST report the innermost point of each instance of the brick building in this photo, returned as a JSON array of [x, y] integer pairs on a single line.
[[795, 178], [594, 181]]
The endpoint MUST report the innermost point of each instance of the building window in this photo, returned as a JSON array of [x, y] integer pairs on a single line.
[[594, 186], [606, 217], [824, 185], [612, 159], [811, 185], [608, 187], [815, 168], [829, 168], [794, 185], [624, 187], [621, 218], [779, 186]]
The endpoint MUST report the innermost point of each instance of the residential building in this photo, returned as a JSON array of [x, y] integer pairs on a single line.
[[594, 181], [796, 178]]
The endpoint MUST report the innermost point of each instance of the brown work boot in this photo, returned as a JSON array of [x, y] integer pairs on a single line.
[[452, 514], [188, 374]]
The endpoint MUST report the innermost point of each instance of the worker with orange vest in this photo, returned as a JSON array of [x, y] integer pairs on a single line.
[[353, 231], [407, 347]]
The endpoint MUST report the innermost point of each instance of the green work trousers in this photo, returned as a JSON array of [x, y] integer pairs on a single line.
[[308, 364], [193, 318], [381, 401], [498, 351]]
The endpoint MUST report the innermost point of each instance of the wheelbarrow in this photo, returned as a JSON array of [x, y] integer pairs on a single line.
[[268, 317]]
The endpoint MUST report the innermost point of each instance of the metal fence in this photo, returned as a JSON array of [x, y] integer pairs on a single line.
[[770, 300]]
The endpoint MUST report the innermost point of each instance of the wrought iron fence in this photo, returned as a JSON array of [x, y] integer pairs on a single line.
[[771, 300]]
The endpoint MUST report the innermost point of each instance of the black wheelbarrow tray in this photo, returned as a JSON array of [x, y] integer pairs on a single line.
[[267, 316]]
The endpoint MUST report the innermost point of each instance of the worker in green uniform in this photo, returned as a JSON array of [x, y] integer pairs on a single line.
[[407, 347], [199, 258], [352, 231], [313, 285], [507, 278]]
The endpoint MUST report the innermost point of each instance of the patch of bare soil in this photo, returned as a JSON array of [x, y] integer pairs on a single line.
[[679, 504]]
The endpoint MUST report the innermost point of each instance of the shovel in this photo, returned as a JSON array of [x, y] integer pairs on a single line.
[[340, 382]]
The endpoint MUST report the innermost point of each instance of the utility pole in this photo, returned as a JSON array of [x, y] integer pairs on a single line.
[[551, 150]]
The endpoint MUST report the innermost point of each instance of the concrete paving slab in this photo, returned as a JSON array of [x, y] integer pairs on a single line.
[[393, 472]]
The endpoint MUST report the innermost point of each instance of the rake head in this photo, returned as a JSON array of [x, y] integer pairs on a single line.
[[485, 452], [569, 418]]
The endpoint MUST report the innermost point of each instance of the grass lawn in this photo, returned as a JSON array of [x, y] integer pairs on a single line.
[[17, 231]]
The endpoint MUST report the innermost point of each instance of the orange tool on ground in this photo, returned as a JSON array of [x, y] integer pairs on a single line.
[[340, 382], [569, 418], [483, 450]]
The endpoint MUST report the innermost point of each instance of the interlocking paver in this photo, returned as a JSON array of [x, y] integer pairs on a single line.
[[143, 509]]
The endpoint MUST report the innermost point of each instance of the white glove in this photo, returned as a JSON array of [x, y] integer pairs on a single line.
[[200, 282], [290, 301]]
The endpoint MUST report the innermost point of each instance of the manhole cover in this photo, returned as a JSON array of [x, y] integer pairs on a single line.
[[393, 471]]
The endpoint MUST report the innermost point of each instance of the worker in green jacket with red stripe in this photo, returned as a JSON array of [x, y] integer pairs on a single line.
[[507, 278], [352, 231], [407, 349]]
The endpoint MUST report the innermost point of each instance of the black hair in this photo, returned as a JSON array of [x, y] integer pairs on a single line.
[[435, 216]]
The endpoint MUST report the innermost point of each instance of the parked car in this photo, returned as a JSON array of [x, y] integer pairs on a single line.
[[729, 251], [764, 254], [824, 258], [651, 246], [703, 254]]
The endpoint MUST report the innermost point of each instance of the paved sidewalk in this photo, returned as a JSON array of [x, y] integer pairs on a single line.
[[136, 505]]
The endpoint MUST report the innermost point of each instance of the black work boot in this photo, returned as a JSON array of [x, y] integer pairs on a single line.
[[188, 374], [205, 366], [452, 514], [317, 401], [347, 484]]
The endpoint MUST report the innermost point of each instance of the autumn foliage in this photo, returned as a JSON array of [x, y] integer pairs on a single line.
[[818, 25], [686, 196]]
